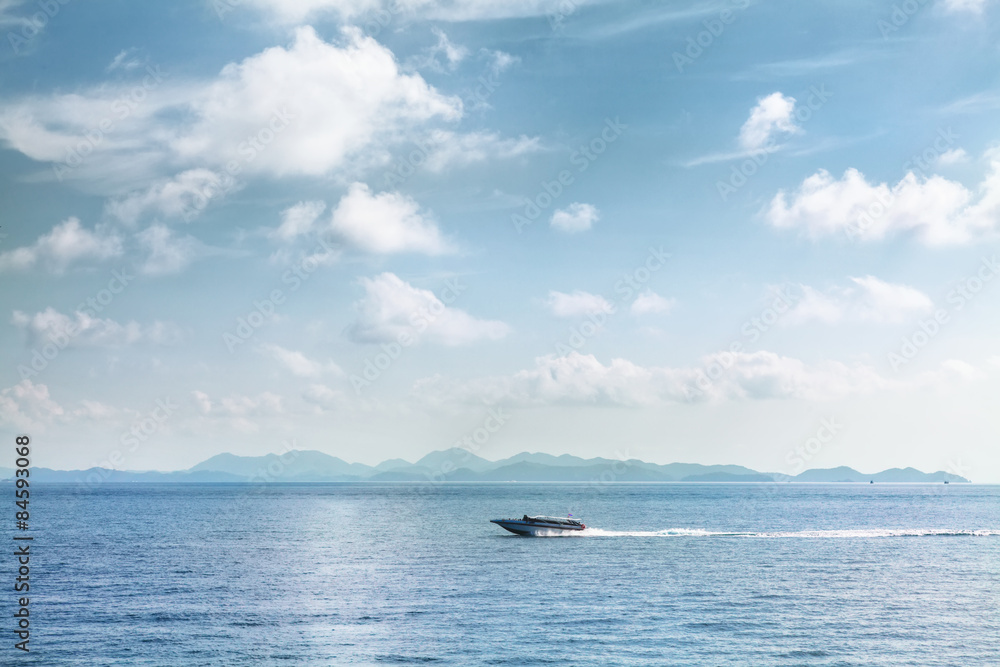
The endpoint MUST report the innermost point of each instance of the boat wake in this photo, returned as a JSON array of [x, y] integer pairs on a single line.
[[817, 534]]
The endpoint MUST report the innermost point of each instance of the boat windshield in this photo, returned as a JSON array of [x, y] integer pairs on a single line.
[[554, 519]]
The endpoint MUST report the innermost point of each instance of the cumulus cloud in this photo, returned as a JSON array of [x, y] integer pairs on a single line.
[[27, 406], [298, 220], [299, 364], [182, 196], [67, 244], [649, 302], [574, 218], [84, 330], [577, 304], [867, 299], [937, 211], [393, 310], [773, 116], [386, 223], [578, 379], [166, 251], [308, 108], [954, 156]]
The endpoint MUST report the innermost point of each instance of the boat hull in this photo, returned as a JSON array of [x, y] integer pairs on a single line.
[[535, 529]]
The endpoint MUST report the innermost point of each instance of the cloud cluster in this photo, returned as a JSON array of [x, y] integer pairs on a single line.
[[578, 379], [66, 244], [304, 109], [393, 310], [81, 329], [28, 406], [937, 211], [386, 223], [867, 299]]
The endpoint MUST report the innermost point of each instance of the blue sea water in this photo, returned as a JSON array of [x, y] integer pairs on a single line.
[[670, 574]]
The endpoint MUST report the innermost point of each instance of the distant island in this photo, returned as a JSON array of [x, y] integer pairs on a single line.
[[460, 465]]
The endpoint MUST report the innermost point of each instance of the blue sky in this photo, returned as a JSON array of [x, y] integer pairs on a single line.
[[685, 231]]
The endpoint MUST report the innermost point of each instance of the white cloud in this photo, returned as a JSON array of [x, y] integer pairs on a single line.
[[124, 61], [392, 308], [298, 220], [868, 299], [449, 149], [453, 54], [167, 253], [954, 156], [382, 13], [574, 218], [182, 196], [577, 304], [337, 101], [972, 6], [774, 115], [578, 379], [650, 302], [324, 398], [83, 330], [309, 108], [238, 410], [936, 210], [298, 363], [65, 245], [386, 223], [27, 407]]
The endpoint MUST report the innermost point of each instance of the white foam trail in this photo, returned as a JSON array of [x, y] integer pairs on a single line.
[[863, 532]]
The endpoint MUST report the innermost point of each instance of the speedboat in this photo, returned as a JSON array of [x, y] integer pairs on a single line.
[[540, 526]]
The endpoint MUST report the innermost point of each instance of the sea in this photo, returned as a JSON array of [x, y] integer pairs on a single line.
[[414, 574]]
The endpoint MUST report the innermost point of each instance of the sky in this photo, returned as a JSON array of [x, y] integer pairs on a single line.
[[755, 232]]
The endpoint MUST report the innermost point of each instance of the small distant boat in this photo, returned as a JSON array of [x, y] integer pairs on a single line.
[[539, 526]]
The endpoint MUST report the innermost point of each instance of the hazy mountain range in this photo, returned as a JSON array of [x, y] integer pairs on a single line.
[[459, 465]]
